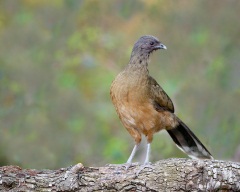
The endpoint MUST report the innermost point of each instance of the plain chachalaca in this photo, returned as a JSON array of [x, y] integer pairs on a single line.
[[144, 108]]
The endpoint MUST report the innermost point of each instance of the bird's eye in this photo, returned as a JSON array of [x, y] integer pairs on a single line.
[[151, 43]]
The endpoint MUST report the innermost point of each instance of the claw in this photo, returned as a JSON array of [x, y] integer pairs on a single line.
[[145, 165], [128, 165], [125, 165]]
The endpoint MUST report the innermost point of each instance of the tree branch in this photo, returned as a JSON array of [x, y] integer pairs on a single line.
[[165, 175]]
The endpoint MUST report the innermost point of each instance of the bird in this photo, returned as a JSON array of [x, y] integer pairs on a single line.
[[144, 108]]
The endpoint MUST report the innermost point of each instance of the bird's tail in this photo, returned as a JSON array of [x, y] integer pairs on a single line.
[[188, 142]]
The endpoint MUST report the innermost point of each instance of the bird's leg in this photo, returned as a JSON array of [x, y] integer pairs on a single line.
[[129, 161], [137, 137], [148, 154], [146, 162]]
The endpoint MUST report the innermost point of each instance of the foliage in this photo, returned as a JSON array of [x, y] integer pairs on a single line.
[[58, 58]]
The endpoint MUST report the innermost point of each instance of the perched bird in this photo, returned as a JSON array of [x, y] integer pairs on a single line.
[[144, 108]]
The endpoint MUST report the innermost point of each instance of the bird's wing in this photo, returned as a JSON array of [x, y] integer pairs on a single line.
[[161, 100]]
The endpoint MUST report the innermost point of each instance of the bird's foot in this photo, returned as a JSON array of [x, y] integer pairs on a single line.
[[126, 165], [145, 165]]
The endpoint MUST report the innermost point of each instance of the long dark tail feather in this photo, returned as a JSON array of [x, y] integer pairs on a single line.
[[188, 142]]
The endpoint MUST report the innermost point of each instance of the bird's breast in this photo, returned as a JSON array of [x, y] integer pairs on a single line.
[[131, 97], [132, 104]]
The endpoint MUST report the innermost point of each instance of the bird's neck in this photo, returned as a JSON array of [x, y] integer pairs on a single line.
[[139, 62], [137, 74]]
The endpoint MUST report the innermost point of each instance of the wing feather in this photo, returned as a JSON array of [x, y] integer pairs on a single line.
[[161, 100]]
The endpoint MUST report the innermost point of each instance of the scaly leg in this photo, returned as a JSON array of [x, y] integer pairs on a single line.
[[146, 162], [148, 154], [129, 161]]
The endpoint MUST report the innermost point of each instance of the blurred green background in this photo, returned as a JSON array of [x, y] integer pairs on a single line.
[[59, 57]]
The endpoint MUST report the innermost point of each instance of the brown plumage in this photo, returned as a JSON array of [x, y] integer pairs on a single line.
[[143, 106]]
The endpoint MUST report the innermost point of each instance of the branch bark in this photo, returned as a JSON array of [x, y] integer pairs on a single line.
[[165, 175]]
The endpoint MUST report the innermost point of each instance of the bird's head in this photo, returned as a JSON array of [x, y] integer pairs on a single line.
[[146, 45]]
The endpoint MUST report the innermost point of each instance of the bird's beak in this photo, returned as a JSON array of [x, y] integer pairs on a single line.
[[160, 46]]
